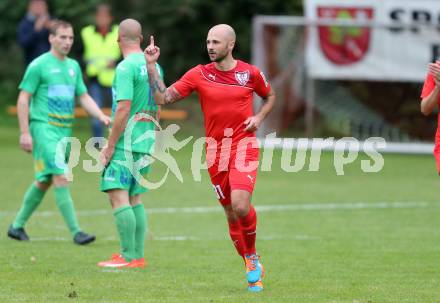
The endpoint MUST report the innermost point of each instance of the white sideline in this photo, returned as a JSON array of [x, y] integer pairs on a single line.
[[259, 208]]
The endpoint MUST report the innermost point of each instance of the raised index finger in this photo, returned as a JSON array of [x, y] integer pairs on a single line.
[[152, 40]]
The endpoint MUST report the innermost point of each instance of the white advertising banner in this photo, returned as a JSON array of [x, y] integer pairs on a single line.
[[405, 37]]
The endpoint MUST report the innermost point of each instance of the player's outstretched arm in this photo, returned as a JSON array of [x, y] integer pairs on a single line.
[[254, 122], [162, 94], [92, 108], [23, 120], [430, 102]]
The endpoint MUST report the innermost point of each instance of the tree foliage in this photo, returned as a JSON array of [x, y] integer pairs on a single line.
[[179, 26]]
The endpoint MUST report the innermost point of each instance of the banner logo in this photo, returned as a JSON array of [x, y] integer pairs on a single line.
[[344, 45]]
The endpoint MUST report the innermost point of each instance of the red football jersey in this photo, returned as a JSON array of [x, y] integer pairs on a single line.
[[225, 97], [428, 87]]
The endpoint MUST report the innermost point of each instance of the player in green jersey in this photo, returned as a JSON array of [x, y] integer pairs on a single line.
[[134, 111], [45, 106]]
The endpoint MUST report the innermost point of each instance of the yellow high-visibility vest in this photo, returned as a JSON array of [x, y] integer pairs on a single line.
[[98, 51]]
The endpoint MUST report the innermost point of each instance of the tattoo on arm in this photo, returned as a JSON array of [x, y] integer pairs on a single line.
[[157, 85], [160, 86], [172, 95]]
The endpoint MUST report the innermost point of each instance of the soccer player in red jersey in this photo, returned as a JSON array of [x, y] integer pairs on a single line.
[[225, 88], [430, 99]]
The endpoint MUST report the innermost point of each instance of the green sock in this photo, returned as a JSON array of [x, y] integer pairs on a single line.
[[67, 209], [126, 225], [32, 198], [141, 228]]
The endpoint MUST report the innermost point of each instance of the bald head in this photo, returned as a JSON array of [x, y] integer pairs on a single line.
[[130, 31], [220, 42], [223, 31]]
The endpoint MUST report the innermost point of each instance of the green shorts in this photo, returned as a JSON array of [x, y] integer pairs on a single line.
[[119, 176], [45, 139]]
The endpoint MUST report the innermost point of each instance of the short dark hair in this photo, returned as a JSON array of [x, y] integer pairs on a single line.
[[57, 24], [104, 6]]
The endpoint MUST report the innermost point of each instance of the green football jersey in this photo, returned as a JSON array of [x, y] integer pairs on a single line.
[[53, 83], [131, 83]]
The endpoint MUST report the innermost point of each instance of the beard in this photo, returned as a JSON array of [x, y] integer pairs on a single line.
[[220, 56]]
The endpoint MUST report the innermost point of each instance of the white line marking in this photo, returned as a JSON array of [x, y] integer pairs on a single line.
[[47, 239], [259, 208], [313, 143], [184, 238]]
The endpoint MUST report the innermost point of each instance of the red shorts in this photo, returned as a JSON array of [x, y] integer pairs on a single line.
[[237, 172]]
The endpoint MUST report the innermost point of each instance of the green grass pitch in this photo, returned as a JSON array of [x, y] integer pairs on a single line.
[[361, 237]]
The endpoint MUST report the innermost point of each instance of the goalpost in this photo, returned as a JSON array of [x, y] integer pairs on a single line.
[[317, 107]]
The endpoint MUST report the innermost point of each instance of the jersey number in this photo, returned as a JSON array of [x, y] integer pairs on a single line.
[[218, 192]]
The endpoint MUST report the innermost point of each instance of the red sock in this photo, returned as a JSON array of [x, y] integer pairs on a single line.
[[249, 230], [237, 237]]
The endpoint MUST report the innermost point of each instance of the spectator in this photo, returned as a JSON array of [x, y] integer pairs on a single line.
[[100, 54], [33, 30]]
